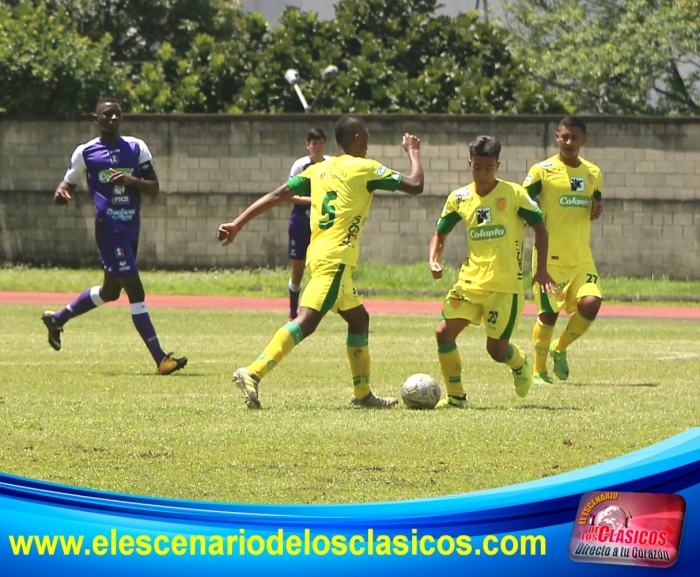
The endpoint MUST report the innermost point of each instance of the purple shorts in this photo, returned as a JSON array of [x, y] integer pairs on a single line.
[[299, 233], [118, 254]]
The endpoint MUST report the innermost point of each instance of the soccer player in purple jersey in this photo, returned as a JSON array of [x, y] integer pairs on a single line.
[[299, 225], [118, 170]]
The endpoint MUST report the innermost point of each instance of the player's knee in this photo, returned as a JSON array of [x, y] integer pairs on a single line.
[[109, 294], [496, 351], [589, 307]]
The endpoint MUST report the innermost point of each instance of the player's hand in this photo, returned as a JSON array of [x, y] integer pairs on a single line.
[[435, 269], [62, 197], [226, 233], [545, 281], [119, 178], [596, 209], [410, 142]]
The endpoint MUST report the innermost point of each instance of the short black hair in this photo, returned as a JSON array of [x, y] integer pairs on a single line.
[[105, 100], [346, 128], [575, 121], [316, 134], [485, 146]]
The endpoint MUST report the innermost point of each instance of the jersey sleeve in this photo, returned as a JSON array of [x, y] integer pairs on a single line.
[[449, 216], [533, 180], [382, 178], [297, 167], [300, 184], [144, 153], [77, 167], [527, 208]]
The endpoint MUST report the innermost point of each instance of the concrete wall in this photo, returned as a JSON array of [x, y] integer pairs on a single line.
[[211, 167]]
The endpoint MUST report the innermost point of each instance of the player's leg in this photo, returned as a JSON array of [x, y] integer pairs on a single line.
[[543, 331], [584, 300], [319, 297], [502, 312], [450, 361], [296, 274], [299, 238], [110, 248]]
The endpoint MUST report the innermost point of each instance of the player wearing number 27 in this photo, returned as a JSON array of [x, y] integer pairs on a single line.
[[341, 193], [569, 190]]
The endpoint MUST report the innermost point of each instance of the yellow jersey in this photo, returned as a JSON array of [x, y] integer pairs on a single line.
[[341, 193], [564, 194], [495, 234]]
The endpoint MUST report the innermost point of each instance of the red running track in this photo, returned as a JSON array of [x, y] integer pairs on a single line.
[[374, 306]]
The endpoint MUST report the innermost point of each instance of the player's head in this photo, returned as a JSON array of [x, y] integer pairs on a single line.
[[352, 136], [571, 136], [316, 143], [108, 116], [483, 159]]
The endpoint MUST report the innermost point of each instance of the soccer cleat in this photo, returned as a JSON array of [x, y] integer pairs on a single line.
[[54, 330], [522, 380], [249, 385], [170, 364], [542, 379], [451, 402], [561, 365], [371, 401]]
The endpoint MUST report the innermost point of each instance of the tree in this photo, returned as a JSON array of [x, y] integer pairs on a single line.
[[613, 56], [48, 68]]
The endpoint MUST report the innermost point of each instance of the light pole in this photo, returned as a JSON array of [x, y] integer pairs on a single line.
[[328, 75]]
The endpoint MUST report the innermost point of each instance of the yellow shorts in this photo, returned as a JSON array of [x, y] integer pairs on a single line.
[[330, 287], [572, 284], [501, 310]]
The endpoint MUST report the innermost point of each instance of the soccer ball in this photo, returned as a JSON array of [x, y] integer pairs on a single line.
[[420, 391]]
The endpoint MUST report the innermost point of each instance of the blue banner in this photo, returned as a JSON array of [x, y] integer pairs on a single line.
[[528, 528]]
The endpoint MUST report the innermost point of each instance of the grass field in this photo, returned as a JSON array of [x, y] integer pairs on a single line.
[[96, 415], [377, 279]]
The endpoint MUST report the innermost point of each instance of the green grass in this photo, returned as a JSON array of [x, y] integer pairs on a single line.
[[377, 279], [96, 414]]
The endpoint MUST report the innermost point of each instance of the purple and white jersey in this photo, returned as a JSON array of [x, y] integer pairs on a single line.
[[117, 207], [299, 166]]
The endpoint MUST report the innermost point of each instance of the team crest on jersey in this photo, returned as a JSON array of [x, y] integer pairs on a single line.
[[483, 215], [381, 170], [577, 184], [501, 203], [114, 157], [119, 251]]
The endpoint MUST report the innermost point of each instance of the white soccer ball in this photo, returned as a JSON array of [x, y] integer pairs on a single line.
[[420, 391]]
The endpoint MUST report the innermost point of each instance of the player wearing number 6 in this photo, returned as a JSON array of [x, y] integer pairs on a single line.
[[568, 189], [341, 193]]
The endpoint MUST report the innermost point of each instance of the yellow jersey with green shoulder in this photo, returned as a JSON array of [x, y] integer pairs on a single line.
[[564, 194], [341, 193], [495, 234]]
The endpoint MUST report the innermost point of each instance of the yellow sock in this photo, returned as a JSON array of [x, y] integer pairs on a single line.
[[357, 347], [541, 338], [451, 367], [577, 327], [515, 359], [285, 339]]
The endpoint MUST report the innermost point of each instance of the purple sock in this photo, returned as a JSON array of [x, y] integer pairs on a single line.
[[143, 324], [86, 301]]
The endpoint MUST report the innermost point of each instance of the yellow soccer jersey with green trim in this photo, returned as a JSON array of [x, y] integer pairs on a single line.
[[495, 234], [564, 194], [341, 193]]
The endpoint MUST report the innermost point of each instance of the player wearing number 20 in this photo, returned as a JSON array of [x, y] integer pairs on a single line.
[[569, 191], [341, 193]]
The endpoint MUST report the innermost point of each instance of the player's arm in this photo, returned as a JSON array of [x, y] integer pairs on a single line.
[[412, 183], [228, 230], [437, 245], [296, 199], [597, 205], [296, 169], [147, 184], [64, 193], [533, 182], [541, 276]]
